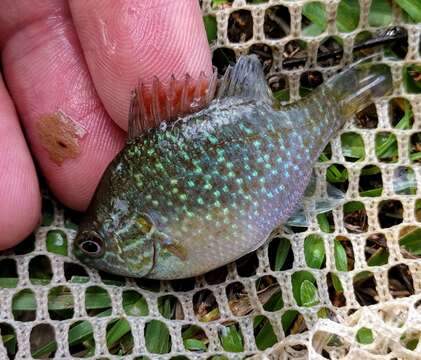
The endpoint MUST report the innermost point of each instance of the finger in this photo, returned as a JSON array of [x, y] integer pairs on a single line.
[[19, 192], [128, 41], [69, 131]]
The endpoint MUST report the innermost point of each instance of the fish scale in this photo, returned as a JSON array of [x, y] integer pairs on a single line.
[[195, 194]]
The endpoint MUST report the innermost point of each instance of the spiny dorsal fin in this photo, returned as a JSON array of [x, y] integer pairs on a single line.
[[150, 106], [245, 79]]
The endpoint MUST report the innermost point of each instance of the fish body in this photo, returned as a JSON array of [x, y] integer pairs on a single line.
[[198, 193]]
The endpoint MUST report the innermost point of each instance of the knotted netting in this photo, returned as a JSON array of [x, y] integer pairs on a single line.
[[348, 285]]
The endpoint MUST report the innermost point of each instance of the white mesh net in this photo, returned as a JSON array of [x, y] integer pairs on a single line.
[[359, 292]]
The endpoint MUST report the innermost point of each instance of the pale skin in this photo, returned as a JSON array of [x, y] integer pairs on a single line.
[[82, 57]]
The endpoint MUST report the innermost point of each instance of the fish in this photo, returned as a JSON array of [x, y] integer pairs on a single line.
[[197, 193]]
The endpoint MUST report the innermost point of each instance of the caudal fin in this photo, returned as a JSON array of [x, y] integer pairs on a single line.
[[356, 87]]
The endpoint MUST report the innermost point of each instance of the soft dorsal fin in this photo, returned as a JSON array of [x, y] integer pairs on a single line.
[[150, 106], [245, 79]]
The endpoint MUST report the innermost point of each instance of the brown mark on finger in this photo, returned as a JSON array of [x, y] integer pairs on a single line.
[[59, 135]]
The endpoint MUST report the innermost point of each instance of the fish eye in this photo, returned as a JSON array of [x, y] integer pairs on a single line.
[[91, 244]]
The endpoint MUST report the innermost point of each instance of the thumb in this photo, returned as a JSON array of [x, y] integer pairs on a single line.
[[125, 42]]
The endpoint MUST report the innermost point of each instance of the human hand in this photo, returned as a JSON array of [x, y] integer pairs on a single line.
[[78, 60]]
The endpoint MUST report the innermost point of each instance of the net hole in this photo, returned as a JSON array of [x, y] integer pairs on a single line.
[[56, 242], [386, 147], [293, 323], [367, 118], [390, 213], [364, 336], [81, 347], [41, 335], [264, 53], [148, 284], [401, 113], [231, 337], [397, 50], [328, 345], [216, 276], [194, 338], [380, 13], [326, 222], [412, 78], [205, 306], [370, 181], [97, 302], [24, 305], [222, 58], [326, 154], [75, 273], [157, 337], [40, 272], [264, 336], [281, 256], [8, 273], [362, 37], [418, 210], [326, 313], [355, 217], [348, 15], [240, 26], [72, 219], [247, 265], [277, 22], [134, 304], [352, 145], [9, 340], [294, 49], [183, 284], [112, 279], [343, 253], [269, 293], [314, 251], [365, 288], [337, 176], [331, 44], [410, 339], [400, 281], [314, 19], [304, 289], [404, 181], [409, 242], [335, 290], [278, 83], [310, 80], [238, 299], [119, 337], [415, 148], [170, 307], [376, 250], [60, 303]]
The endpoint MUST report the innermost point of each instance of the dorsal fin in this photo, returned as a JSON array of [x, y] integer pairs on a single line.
[[150, 106], [245, 79]]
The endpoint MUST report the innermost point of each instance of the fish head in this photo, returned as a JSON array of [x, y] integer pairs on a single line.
[[115, 237]]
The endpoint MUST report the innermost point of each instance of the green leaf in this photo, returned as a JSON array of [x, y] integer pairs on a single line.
[[231, 339], [157, 337], [308, 294], [281, 95], [314, 251], [288, 319], [337, 283], [275, 302], [281, 253], [316, 13], [297, 279], [353, 145], [412, 8], [380, 257], [57, 242], [412, 242], [6, 282], [323, 222], [380, 13], [118, 329], [194, 345], [341, 260], [348, 15], [365, 336], [211, 27], [410, 72], [134, 304], [372, 192], [265, 336]]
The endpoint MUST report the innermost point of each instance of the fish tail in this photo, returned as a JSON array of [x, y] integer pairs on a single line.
[[355, 88]]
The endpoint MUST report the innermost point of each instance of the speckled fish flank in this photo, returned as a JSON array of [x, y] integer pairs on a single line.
[[195, 194]]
